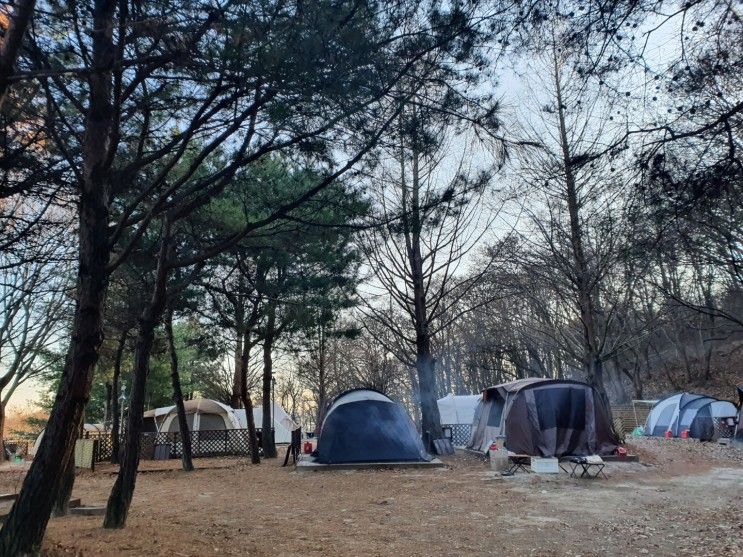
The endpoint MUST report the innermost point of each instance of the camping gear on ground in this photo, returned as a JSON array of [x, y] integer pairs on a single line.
[[517, 462], [545, 465], [364, 425], [443, 447], [543, 417], [307, 448], [699, 414], [498, 458], [590, 466], [161, 452]]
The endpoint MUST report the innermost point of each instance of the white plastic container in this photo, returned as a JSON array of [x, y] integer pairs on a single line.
[[498, 460]]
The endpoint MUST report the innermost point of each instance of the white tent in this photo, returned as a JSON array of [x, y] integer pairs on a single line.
[[202, 414], [283, 424], [458, 409], [90, 428]]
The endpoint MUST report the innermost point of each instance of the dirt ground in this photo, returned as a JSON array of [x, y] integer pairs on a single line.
[[685, 498]]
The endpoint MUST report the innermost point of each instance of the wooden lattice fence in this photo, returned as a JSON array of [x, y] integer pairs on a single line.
[[631, 416], [205, 443], [459, 433]]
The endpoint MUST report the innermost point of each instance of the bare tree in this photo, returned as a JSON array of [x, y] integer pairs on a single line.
[[433, 219], [33, 304]]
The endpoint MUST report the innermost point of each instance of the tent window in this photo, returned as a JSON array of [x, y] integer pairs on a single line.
[[210, 422], [563, 408], [175, 426], [496, 411]]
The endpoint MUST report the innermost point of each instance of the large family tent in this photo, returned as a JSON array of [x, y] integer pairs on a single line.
[[363, 425], [282, 422], [543, 417], [202, 414], [690, 412], [738, 437]]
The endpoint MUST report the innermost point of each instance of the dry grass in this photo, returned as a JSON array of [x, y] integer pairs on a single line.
[[680, 506]]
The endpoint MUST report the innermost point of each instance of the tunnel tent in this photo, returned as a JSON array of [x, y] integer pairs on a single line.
[[282, 422], [202, 414], [544, 418], [366, 426], [458, 409], [690, 412]]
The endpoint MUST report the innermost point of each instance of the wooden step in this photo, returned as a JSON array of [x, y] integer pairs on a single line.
[[89, 511]]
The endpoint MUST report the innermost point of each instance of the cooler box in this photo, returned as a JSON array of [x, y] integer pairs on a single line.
[[545, 465]]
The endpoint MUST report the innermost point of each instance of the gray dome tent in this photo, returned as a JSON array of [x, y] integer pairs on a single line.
[[543, 417], [363, 425], [690, 412]]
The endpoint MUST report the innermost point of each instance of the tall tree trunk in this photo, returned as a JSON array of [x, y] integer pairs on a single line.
[[20, 19], [107, 406], [175, 380], [592, 363], [123, 489], [322, 391], [62, 500], [239, 328], [24, 528], [255, 457], [115, 422], [424, 361], [2, 429], [267, 436]]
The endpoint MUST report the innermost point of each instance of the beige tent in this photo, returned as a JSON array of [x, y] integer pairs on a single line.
[[202, 414], [153, 419], [89, 428]]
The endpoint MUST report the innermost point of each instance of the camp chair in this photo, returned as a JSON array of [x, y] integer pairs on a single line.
[[589, 466], [518, 462]]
